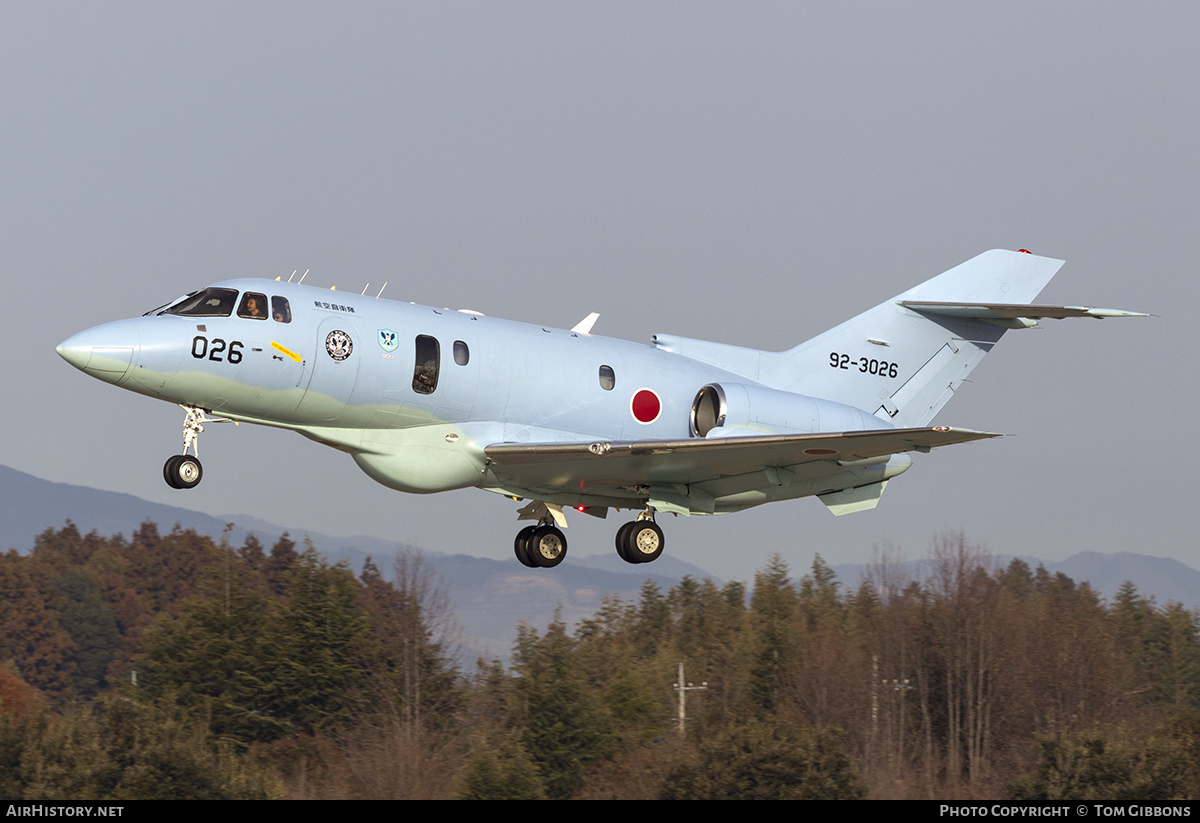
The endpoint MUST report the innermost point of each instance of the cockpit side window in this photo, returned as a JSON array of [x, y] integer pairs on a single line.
[[208, 303], [254, 306], [280, 310]]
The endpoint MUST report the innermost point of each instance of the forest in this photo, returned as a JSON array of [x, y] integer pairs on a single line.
[[174, 665]]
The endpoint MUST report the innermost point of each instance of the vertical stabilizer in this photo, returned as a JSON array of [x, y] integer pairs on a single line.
[[901, 364]]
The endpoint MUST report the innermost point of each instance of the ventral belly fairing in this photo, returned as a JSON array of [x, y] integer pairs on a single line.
[[428, 400]]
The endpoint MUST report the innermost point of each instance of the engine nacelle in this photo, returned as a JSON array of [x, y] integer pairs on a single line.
[[768, 411]]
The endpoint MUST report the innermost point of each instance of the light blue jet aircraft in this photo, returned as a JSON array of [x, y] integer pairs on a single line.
[[427, 400]]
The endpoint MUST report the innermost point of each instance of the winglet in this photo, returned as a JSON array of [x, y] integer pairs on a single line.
[[584, 326]]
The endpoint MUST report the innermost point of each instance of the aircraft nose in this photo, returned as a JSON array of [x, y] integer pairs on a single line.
[[74, 353], [99, 352]]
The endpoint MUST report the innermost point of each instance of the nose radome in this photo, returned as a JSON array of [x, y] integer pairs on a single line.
[[74, 352], [103, 352]]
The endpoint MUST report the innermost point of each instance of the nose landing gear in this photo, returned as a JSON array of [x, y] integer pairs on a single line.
[[183, 471]]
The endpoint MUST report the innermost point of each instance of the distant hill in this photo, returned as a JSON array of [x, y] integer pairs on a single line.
[[30, 505], [490, 597], [1163, 578]]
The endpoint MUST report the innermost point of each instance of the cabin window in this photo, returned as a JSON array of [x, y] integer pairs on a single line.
[[425, 372], [280, 310], [254, 306], [208, 303], [608, 380], [462, 355]]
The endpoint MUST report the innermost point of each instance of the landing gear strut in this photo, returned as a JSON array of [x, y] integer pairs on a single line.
[[641, 541], [183, 471]]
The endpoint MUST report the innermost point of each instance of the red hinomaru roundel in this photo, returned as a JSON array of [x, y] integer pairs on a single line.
[[645, 406]]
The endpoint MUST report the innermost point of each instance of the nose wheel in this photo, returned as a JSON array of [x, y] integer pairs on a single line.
[[182, 471]]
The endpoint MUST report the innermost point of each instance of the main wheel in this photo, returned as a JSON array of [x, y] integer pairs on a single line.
[[521, 546], [644, 541], [623, 542], [547, 546], [183, 471]]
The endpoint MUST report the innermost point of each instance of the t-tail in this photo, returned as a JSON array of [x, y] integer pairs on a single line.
[[903, 359]]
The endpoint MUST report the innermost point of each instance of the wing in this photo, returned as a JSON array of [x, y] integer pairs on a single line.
[[704, 471]]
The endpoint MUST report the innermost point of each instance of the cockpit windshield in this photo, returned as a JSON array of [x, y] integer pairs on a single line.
[[165, 306], [207, 303]]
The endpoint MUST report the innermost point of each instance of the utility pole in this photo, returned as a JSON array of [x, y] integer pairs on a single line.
[[683, 690]]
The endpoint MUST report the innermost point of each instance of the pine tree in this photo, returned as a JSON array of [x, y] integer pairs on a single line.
[[773, 605], [562, 728], [322, 638]]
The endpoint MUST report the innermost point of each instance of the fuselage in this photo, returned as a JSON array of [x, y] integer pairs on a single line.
[[414, 393]]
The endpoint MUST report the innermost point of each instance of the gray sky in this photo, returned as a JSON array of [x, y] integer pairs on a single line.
[[749, 173]]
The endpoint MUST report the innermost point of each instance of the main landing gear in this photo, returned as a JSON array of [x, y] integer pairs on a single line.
[[640, 541], [542, 546], [183, 471]]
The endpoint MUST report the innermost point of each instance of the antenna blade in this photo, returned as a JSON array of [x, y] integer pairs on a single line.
[[584, 326]]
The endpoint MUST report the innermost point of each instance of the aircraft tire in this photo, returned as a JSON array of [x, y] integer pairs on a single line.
[[623, 542], [645, 541], [184, 471], [521, 547], [169, 470], [547, 546]]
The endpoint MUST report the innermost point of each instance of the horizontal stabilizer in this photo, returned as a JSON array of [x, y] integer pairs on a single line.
[[1012, 311]]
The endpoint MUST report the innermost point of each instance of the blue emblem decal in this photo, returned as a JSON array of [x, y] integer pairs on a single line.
[[339, 345], [387, 340]]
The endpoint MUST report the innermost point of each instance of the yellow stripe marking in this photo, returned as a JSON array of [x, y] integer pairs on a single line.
[[295, 357]]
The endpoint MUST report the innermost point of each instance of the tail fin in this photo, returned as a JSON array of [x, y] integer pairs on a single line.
[[903, 363]]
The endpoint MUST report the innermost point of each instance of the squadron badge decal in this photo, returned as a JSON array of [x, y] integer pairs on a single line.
[[339, 345], [387, 340]]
